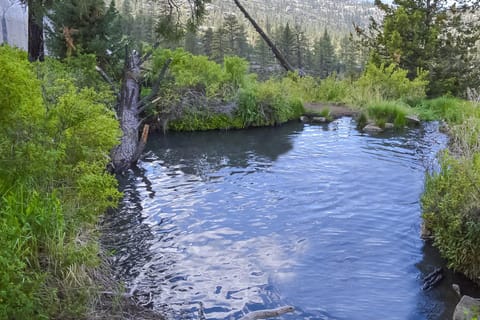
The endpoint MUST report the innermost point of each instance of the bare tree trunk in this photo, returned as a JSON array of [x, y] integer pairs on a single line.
[[4, 27], [283, 61], [129, 108], [36, 50], [128, 151]]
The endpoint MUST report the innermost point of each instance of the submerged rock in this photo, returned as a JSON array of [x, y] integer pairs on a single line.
[[389, 126], [467, 309], [371, 128], [319, 119]]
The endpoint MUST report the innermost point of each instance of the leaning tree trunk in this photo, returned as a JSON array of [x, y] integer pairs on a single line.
[[129, 109], [283, 61], [128, 151]]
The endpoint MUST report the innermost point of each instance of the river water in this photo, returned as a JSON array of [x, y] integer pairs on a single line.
[[214, 225]]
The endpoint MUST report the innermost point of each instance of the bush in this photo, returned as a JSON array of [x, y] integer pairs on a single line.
[[54, 146], [451, 210], [392, 83], [267, 104], [332, 90]]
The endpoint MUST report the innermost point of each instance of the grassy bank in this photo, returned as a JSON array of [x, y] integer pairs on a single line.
[[55, 137]]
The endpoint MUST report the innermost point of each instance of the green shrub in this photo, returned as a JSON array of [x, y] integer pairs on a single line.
[[332, 90], [451, 210], [54, 146], [191, 71], [392, 83], [236, 70], [248, 109]]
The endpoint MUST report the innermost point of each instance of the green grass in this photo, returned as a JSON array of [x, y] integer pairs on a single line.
[[389, 112]]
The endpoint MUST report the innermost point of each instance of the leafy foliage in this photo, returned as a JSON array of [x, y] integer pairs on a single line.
[[451, 211], [391, 82], [54, 146], [426, 35]]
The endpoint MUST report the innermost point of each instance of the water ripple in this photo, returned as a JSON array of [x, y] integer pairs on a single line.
[[325, 218]]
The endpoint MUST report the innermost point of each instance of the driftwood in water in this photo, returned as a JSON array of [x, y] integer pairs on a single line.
[[280, 57], [432, 279], [269, 313]]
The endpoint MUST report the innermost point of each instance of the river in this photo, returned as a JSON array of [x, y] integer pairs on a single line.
[[216, 224]]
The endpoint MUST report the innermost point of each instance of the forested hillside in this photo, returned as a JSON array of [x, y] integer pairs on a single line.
[[312, 15]]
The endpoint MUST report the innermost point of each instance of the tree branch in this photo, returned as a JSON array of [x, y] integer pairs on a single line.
[[106, 78], [156, 86]]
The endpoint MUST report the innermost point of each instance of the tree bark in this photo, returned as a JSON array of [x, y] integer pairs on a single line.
[[36, 50], [280, 57], [128, 151]]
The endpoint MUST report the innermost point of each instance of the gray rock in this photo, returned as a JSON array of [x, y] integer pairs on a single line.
[[372, 128], [456, 288], [319, 119], [412, 120], [304, 119], [389, 126], [467, 309]]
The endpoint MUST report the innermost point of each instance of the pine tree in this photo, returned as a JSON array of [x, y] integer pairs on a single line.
[[432, 35], [325, 58], [191, 42], [82, 26], [218, 45], [235, 37], [300, 48], [286, 42], [207, 43], [348, 64]]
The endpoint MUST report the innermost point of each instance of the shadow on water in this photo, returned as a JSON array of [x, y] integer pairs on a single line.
[[194, 151], [216, 224]]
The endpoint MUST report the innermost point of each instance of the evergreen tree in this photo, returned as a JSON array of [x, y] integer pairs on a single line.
[[207, 43], [235, 37], [325, 59], [286, 42], [431, 35], [348, 64], [263, 57], [218, 45], [82, 26], [191, 42], [300, 49]]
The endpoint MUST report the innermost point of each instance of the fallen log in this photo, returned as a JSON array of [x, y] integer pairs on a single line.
[[268, 313]]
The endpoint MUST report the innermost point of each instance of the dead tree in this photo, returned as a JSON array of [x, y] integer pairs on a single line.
[[129, 109], [280, 57]]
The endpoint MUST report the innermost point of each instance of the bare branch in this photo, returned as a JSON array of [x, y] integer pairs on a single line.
[[156, 86], [106, 78]]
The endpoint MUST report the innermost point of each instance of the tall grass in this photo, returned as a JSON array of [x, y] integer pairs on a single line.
[[389, 112]]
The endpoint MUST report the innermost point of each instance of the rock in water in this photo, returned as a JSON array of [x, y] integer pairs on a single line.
[[269, 313], [372, 128], [467, 309]]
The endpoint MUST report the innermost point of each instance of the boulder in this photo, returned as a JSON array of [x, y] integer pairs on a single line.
[[467, 309], [371, 128], [304, 119], [412, 120], [389, 126], [319, 119]]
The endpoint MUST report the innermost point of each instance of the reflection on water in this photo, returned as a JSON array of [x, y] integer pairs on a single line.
[[216, 224]]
